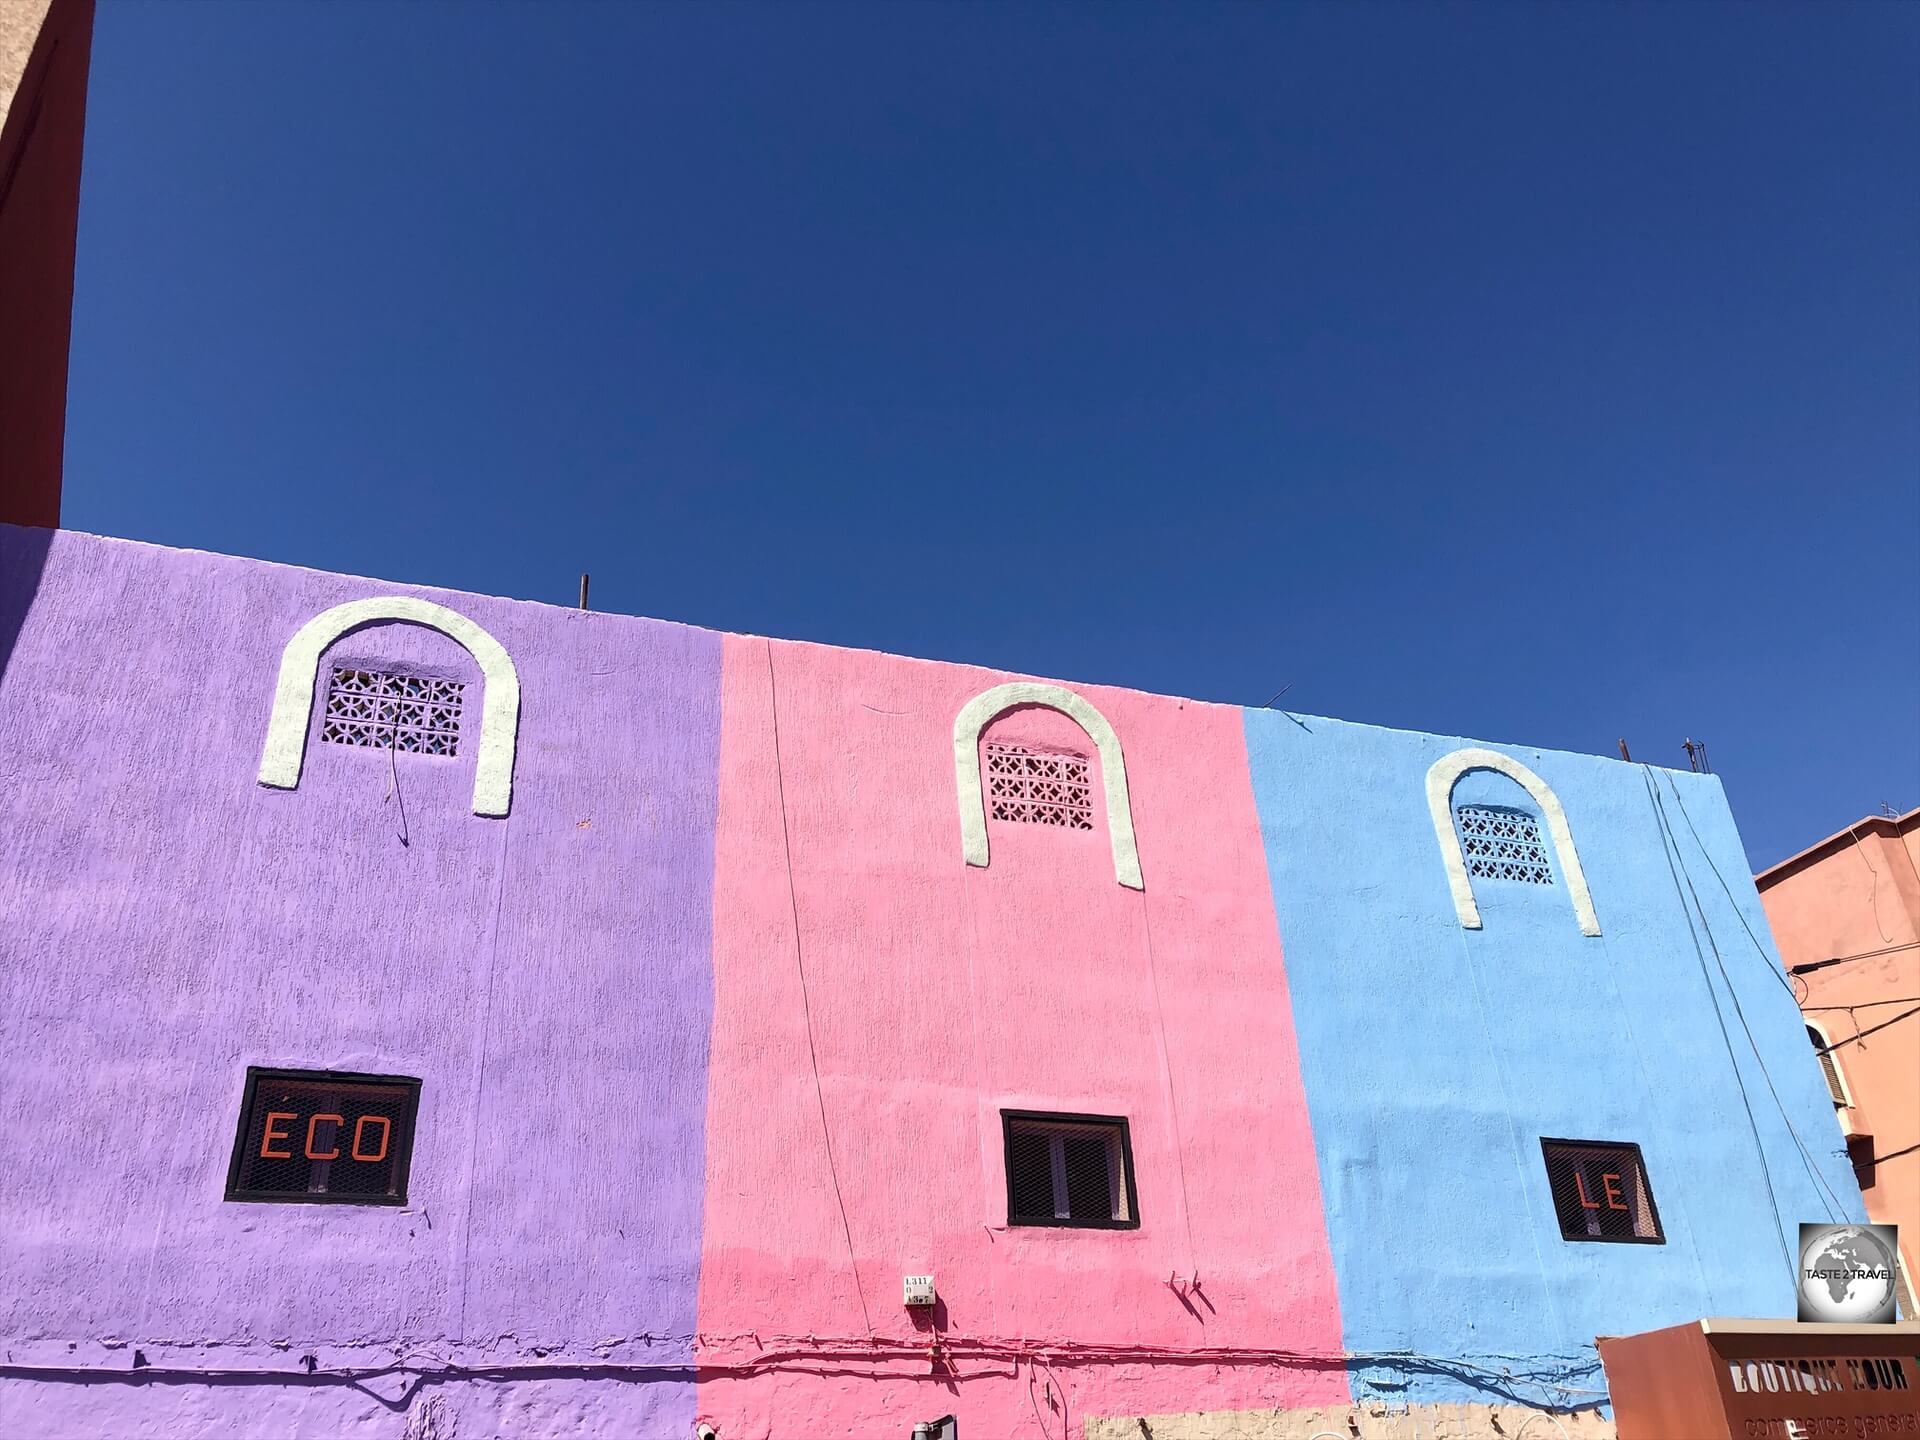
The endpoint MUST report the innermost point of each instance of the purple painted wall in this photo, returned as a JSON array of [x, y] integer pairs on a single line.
[[165, 921]]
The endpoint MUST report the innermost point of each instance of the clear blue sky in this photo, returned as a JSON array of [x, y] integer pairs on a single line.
[[1539, 373]]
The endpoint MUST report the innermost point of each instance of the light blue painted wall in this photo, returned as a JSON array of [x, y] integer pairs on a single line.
[[1436, 1057]]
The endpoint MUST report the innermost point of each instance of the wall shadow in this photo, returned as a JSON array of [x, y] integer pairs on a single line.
[[23, 559]]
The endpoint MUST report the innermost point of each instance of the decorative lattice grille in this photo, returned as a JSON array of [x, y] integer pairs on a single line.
[[414, 713], [1039, 787], [1503, 844]]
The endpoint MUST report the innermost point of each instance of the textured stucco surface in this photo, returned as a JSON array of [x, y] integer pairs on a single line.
[[20, 22], [1862, 898], [624, 1211], [168, 921], [1436, 1057]]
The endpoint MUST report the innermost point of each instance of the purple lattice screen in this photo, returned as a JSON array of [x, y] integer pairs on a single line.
[[1039, 787], [417, 714]]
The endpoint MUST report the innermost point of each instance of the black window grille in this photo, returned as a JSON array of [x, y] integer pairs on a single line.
[[318, 1136], [415, 714], [1074, 1170], [1600, 1191], [1501, 844]]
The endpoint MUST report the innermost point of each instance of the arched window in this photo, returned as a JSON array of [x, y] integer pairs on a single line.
[[1504, 843], [1061, 797], [1829, 1066], [286, 745]]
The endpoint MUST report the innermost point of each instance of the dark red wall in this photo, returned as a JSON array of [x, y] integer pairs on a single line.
[[39, 220]]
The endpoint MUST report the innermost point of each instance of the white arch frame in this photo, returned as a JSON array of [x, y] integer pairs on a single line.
[[286, 746], [974, 717], [1441, 779]]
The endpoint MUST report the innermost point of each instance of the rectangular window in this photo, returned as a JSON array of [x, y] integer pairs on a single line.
[[1600, 1191], [1069, 1170], [1039, 787], [416, 714], [317, 1136], [1502, 844]]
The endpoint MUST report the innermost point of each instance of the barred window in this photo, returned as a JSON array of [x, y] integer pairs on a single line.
[[1039, 787], [1501, 844], [418, 714], [318, 1136], [1069, 1170], [1600, 1191]]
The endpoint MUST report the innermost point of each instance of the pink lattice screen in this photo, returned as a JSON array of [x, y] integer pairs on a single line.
[[1039, 787]]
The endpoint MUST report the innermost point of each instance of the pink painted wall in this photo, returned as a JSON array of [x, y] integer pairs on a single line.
[[941, 994]]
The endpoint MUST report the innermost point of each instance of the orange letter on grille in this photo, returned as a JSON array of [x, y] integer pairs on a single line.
[[333, 1154], [269, 1137], [386, 1133]]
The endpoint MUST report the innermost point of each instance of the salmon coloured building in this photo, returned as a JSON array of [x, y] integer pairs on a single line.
[[432, 1016]]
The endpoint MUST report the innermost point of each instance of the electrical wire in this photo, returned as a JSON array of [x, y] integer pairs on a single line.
[[1055, 1387], [1034, 1404], [1527, 1425], [1893, 1155], [1806, 1155], [393, 779], [980, 1128], [480, 1075], [1173, 1102], [1753, 1125], [806, 1004], [1740, 915], [1861, 1034], [782, 1352], [1873, 894], [1836, 1210], [1859, 955]]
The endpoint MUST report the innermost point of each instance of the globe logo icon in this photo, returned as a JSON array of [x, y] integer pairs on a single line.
[[1846, 1274]]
